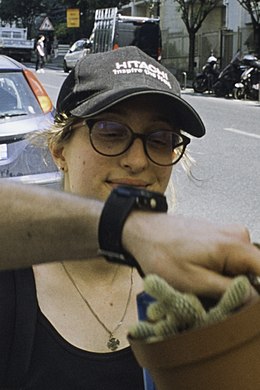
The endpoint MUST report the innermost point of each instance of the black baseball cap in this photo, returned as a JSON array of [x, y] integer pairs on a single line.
[[101, 80]]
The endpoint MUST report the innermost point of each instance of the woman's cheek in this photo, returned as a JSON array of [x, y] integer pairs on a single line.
[[164, 176]]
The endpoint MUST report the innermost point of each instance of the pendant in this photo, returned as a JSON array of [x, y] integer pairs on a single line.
[[113, 343]]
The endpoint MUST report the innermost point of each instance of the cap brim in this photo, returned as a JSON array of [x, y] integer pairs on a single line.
[[188, 118]]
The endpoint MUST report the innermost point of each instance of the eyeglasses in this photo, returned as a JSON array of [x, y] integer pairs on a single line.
[[162, 146]]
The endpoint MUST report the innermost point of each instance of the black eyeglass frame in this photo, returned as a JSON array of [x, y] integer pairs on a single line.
[[143, 137]]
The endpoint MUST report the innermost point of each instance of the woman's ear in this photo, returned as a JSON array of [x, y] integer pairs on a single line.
[[58, 157]]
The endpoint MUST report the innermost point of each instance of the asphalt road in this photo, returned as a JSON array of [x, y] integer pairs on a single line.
[[227, 170], [226, 175]]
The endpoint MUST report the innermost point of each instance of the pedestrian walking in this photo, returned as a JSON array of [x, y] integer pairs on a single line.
[[40, 54]]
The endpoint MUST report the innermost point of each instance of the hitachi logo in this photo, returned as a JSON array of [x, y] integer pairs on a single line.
[[127, 67]]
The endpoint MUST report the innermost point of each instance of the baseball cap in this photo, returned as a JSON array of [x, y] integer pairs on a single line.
[[101, 80]]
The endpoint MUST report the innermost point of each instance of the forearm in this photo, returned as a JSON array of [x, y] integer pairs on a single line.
[[39, 225], [193, 255]]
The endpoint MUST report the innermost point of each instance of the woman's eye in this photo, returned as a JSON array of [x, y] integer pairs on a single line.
[[160, 140], [110, 131]]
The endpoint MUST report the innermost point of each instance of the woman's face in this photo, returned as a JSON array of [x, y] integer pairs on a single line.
[[87, 173]]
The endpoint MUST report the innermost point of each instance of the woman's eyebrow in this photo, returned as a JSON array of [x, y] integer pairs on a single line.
[[122, 111], [115, 110]]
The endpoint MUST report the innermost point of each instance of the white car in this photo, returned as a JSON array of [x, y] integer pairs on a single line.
[[78, 50], [25, 107]]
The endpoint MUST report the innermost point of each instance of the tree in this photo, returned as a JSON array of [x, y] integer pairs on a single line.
[[193, 14], [22, 12], [253, 8], [25, 12], [87, 14]]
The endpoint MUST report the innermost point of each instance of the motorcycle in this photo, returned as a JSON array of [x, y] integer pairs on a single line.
[[204, 81], [248, 87], [229, 76]]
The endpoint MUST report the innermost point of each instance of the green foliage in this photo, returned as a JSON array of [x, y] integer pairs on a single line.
[[64, 34], [93, 4], [25, 12], [22, 12]]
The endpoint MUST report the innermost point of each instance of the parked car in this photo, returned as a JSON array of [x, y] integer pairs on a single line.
[[78, 50], [25, 107]]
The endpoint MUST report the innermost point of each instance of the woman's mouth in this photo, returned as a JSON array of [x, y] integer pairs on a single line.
[[128, 182]]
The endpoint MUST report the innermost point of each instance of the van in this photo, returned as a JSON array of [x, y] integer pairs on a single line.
[[113, 30]]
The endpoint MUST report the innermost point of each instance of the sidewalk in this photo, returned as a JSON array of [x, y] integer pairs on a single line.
[[55, 63]]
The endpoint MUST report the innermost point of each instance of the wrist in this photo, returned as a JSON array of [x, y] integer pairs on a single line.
[[119, 205], [134, 228]]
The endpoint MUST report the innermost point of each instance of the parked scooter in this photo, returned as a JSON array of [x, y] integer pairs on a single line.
[[204, 81], [248, 87], [230, 75]]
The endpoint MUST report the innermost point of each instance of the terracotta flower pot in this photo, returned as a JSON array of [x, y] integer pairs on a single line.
[[222, 356]]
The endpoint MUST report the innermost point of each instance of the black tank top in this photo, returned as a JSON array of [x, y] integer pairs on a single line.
[[58, 365], [32, 349]]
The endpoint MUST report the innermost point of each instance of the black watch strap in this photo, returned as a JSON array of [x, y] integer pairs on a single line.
[[118, 206]]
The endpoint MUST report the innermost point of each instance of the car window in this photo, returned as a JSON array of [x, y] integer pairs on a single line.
[[16, 96], [125, 34], [77, 46], [146, 35]]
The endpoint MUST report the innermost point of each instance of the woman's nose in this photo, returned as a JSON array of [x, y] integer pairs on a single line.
[[135, 157]]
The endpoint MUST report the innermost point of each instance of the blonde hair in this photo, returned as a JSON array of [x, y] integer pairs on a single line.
[[55, 134]]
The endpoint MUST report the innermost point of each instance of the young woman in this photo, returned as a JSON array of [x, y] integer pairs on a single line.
[[120, 122], [40, 54]]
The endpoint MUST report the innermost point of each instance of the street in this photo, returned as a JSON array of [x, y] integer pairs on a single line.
[[225, 183]]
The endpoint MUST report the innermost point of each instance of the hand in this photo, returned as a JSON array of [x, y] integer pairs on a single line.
[[192, 255]]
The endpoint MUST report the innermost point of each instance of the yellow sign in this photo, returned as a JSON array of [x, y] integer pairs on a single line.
[[73, 17]]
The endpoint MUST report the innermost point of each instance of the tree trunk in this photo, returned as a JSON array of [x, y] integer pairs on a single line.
[[257, 40], [192, 36]]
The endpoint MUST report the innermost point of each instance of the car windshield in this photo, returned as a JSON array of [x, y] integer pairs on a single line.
[[77, 46], [16, 97]]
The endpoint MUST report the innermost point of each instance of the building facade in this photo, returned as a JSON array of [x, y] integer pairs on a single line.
[[226, 30]]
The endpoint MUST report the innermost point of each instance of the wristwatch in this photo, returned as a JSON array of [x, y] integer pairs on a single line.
[[118, 206]]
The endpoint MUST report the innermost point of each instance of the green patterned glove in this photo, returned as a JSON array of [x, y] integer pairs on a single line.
[[174, 312]]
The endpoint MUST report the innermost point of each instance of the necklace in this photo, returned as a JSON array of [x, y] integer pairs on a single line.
[[113, 342]]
